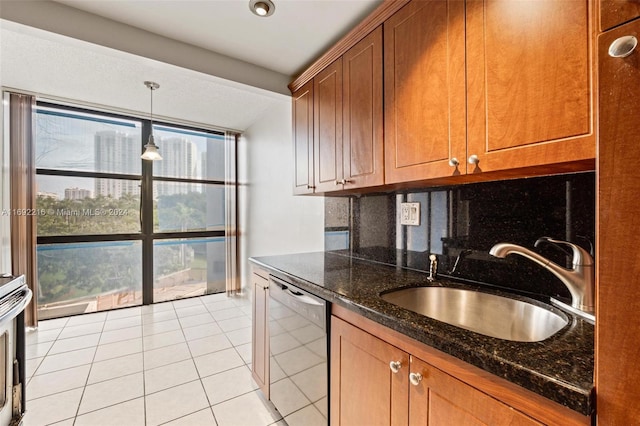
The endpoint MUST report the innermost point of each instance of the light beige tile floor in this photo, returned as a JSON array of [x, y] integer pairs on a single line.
[[185, 362]]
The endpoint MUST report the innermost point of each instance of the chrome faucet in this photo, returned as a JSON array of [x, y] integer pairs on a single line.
[[580, 279]]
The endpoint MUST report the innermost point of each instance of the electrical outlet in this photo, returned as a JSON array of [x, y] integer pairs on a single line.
[[410, 214]]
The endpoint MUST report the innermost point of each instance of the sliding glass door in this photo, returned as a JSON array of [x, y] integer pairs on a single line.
[[116, 231], [188, 188]]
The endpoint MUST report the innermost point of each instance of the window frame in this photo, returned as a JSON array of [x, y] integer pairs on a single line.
[[147, 235]]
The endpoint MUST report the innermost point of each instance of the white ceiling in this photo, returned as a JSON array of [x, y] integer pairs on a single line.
[[287, 41], [60, 67]]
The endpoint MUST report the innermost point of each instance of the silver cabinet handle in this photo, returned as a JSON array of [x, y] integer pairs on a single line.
[[474, 159], [623, 47], [454, 162], [415, 378], [343, 182], [395, 366]]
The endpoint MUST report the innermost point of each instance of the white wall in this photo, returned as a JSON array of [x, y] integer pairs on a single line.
[[272, 220]]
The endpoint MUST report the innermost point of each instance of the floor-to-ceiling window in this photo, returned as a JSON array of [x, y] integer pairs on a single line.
[[114, 230], [188, 191]]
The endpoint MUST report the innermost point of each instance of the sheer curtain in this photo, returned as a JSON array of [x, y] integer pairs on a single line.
[[22, 195], [231, 214]]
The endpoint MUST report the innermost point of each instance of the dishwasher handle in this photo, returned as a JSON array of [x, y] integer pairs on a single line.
[[297, 294], [304, 298]]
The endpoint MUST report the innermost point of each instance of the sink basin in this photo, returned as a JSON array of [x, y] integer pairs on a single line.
[[484, 313]]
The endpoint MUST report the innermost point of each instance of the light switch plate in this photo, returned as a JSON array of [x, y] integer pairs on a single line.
[[410, 214]]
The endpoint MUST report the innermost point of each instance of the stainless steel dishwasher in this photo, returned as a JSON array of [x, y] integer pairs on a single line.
[[298, 367]]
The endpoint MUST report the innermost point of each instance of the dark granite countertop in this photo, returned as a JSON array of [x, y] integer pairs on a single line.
[[559, 368]]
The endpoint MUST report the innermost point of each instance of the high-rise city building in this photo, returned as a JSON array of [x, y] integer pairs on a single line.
[[180, 159], [44, 194], [213, 160], [116, 152], [76, 193]]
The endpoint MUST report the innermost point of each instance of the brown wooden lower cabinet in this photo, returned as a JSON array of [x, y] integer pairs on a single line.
[[364, 391], [260, 330], [437, 399], [377, 379]]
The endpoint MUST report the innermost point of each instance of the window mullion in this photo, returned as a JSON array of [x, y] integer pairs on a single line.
[[146, 215]]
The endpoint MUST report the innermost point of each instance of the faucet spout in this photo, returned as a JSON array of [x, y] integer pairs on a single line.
[[579, 280]]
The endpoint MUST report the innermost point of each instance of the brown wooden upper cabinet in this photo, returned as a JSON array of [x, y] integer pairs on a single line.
[[327, 127], [529, 83], [616, 12], [363, 138], [303, 139], [424, 89], [470, 86], [346, 125], [527, 99]]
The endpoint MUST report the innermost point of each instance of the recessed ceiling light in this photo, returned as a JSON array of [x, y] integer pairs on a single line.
[[262, 8]]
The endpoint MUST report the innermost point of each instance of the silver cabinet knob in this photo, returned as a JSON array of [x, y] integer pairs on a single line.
[[343, 182], [474, 159], [623, 47], [415, 378], [454, 162], [395, 366]]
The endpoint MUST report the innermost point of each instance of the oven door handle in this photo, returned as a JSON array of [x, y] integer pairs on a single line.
[[18, 306]]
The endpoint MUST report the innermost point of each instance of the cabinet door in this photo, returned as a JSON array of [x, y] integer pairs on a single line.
[[438, 399], [424, 88], [260, 330], [362, 120], [529, 82], [327, 88], [616, 12], [303, 139], [617, 384], [364, 390]]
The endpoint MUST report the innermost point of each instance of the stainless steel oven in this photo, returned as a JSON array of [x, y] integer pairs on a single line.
[[298, 367], [14, 297]]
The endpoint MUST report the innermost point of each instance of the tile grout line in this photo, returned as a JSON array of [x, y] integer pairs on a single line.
[[196, 366], [48, 350], [90, 369], [66, 327], [144, 375]]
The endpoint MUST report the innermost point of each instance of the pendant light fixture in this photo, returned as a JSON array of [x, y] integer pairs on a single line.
[[262, 8], [151, 149]]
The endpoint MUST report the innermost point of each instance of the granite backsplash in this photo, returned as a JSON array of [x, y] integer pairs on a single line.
[[470, 219]]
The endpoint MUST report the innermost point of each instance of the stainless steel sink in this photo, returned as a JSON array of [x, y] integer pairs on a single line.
[[484, 313]]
